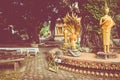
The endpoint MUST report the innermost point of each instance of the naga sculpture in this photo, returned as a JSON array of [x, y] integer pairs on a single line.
[[72, 25]]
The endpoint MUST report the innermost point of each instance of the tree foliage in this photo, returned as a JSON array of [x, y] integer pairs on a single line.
[[31, 14]]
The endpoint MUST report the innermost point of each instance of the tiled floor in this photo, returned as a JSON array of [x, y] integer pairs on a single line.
[[37, 69]]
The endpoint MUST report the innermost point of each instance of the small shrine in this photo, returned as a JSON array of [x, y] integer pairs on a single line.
[[59, 30]]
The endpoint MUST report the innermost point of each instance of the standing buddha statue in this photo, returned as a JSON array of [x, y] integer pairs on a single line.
[[106, 23]]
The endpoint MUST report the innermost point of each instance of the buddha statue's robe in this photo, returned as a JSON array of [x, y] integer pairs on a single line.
[[108, 23]]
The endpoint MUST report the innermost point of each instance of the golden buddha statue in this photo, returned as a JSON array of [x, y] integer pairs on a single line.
[[106, 23]]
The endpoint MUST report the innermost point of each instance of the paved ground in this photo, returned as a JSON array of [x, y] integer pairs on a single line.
[[37, 69]]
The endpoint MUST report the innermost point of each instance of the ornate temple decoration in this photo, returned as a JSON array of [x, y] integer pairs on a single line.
[[72, 25]]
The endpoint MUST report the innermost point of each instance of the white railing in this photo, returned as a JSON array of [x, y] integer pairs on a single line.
[[22, 50]]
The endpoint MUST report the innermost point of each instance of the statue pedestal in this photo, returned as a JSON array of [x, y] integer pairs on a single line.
[[106, 55]]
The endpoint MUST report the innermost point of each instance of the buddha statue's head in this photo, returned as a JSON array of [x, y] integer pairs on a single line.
[[106, 9]]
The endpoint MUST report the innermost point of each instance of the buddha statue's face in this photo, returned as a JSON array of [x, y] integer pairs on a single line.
[[106, 11]]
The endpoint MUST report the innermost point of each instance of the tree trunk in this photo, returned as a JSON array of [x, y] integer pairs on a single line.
[[33, 35], [90, 38], [52, 29], [36, 37]]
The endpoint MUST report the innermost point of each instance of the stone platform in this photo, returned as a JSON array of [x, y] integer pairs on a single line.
[[88, 63], [106, 55]]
